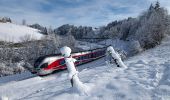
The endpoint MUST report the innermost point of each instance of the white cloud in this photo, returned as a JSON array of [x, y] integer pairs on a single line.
[[89, 12]]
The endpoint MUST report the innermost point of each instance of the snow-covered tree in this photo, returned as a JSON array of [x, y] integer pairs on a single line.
[[149, 28], [134, 47], [5, 19], [42, 29], [153, 27]]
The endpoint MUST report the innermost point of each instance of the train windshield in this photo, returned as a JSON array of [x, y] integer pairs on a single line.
[[38, 61], [44, 65]]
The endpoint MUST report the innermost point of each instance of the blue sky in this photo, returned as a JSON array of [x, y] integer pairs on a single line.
[[76, 12]]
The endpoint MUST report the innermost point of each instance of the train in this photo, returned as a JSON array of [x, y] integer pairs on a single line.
[[48, 64]]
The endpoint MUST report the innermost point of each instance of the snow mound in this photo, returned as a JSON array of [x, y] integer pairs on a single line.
[[4, 98], [13, 32]]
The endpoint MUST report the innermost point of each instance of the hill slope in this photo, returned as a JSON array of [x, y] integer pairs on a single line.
[[147, 77], [13, 32]]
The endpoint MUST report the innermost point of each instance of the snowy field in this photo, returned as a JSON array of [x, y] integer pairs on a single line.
[[146, 78], [87, 45], [13, 32]]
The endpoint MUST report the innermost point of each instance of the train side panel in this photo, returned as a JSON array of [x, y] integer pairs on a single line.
[[81, 58]]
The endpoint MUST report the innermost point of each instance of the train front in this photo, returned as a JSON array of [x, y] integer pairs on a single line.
[[41, 65]]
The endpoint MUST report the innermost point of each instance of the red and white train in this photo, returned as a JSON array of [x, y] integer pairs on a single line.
[[50, 63]]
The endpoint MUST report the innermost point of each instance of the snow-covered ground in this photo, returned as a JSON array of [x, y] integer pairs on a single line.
[[13, 32], [16, 77], [146, 78], [87, 45]]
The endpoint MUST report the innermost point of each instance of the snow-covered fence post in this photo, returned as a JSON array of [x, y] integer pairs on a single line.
[[115, 56], [72, 72]]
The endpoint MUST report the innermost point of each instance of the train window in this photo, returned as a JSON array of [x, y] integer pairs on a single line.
[[44, 65], [79, 58], [86, 56], [82, 57], [97, 54], [62, 62], [89, 55], [93, 55]]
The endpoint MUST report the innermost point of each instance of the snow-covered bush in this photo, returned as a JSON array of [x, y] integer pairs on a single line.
[[4, 70], [19, 68], [9, 69], [134, 47], [68, 40], [122, 53]]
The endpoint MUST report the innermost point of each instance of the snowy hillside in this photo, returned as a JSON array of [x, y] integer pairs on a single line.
[[146, 78], [13, 33]]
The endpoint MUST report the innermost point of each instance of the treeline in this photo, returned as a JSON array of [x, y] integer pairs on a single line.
[[148, 29], [77, 32]]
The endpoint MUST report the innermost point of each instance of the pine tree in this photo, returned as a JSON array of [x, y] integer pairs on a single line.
[[157, 5], [151, 7]]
